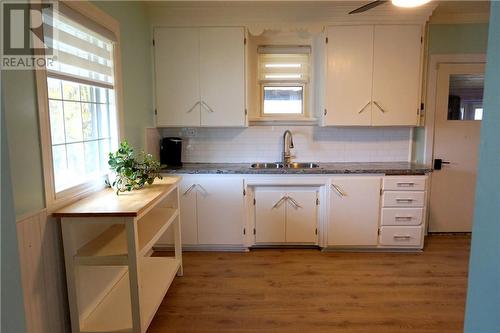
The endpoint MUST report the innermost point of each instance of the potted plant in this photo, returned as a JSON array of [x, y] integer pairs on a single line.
[[131, 172]]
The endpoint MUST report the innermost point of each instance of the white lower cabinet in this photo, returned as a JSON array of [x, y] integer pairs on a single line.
[[354, 211], [285, 215], [212, 210], [403, 212]]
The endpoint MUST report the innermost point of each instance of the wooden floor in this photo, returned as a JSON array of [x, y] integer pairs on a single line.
[[310, 291]]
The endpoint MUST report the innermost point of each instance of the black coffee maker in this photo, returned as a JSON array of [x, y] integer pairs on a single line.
[[171, 151]]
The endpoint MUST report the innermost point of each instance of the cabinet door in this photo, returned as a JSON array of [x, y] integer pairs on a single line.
[[301, 217], [189, 224], [220, 209], [349, 75], [270, 208], [354, 211], [396, 74], [177, 76], [222, 73]]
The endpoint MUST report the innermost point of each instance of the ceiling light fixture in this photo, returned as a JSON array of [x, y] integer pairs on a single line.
[[409, 3]]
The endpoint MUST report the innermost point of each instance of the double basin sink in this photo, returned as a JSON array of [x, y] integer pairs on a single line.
[[280, 165]]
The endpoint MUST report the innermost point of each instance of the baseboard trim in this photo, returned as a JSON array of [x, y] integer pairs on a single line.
[[371, 249], [203, 248]]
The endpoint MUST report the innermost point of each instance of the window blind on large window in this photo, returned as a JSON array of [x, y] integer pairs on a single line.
[[83, 54]]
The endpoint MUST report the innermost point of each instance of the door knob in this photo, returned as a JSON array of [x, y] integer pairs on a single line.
[[438, 163]]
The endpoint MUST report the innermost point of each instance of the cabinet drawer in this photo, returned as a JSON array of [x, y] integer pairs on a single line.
[[402, 216], [401, 236], [404, 183], [403, 199]]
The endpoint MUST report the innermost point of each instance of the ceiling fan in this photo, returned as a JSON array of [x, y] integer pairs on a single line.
[[398, 3]]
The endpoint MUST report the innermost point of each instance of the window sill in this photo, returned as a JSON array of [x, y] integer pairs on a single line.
[[282, 121]]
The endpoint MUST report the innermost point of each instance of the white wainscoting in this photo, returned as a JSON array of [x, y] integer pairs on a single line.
[[41, 261]]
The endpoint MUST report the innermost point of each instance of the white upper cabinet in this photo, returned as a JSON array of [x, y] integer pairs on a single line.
[[222, 73], [349, 79], [373, 75], [177, 76], [396, 74], [200, 76]]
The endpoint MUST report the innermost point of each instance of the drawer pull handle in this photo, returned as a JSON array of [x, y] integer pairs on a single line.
[[403, 218], [401, 237], [404, 200], [406, 184]]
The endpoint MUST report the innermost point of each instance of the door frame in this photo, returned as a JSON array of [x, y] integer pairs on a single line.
[[430, 99], [431, 94]]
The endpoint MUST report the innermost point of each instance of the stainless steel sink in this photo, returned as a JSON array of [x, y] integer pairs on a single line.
[[267, 165], [307, 165], [279, 165]]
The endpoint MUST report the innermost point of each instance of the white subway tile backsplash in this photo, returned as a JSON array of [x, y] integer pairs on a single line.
[[319, 144]]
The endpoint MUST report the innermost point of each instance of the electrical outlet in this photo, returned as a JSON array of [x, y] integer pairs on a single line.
[[188, 132]]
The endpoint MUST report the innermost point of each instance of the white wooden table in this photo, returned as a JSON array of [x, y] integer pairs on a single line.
[[114, 285]]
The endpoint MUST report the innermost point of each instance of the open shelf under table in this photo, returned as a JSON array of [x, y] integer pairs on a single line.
[[113, 313], [110, 247]]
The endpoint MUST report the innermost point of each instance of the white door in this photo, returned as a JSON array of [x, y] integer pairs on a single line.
[[349, 75], [302, 216], [397, 70], [222, 72], [177, 76], [220, 209], [456, 140], [188, 215], [354, 211], [270, 205]]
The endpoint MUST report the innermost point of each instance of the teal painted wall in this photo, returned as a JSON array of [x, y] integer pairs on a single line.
[[24, 140], [450, 39], [483, 297], [458, 38], [137, 69], [21, 104], [13, 316]]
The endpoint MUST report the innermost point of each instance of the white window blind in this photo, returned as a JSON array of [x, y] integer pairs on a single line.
[[81, 99], [83, 55], [283, 64]]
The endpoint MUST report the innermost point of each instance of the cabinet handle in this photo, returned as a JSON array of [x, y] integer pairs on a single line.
[[404, 200], [406, 184], [280, 201], [401, 237], [295, 203], [192, 108], [363, 108], [378, 105], [207, 107], [205, 192], [189, 189], [339, 190], [403, 218]]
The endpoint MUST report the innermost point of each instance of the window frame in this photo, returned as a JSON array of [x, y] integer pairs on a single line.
[[284, 116], [54, 200]]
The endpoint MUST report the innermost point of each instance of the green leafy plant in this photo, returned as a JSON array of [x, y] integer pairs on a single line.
[[132, 172]]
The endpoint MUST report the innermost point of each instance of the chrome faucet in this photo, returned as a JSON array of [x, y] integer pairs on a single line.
[[287, 145]]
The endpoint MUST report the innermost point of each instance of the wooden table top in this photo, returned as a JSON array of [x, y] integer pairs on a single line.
[[107, 203]]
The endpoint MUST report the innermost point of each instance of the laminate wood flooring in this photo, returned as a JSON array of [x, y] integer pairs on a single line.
[[302, 290]]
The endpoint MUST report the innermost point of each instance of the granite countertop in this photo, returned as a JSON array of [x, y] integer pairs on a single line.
[[388, 168]]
